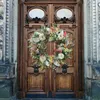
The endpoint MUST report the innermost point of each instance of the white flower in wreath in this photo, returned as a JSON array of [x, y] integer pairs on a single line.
[[42, 58], [37, 33], [37, 51], [61, 35], [36, 39], [47, 63], [61, 56], [56, 63], [42, 37], [61, 45], [48, 29]]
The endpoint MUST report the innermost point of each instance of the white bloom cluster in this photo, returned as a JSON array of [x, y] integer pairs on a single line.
[[42, 58], [37, 37], [42, 37], [61, 35], [61, 56]]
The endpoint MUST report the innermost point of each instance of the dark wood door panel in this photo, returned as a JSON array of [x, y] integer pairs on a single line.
[[30, 61], [64, 82], [49, 80], [36, 82]]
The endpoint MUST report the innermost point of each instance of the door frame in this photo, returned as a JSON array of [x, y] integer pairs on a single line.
[[80, 52]]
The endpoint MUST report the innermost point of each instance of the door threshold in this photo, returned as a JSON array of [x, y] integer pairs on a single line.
[[51, 99], [57, 96]]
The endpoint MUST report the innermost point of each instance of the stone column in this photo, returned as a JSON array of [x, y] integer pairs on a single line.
[[92, 49], [8, 64]]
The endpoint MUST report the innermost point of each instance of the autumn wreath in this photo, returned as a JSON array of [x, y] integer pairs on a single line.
[[38, 47]]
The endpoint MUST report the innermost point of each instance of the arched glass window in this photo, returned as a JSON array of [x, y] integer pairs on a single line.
[[64, 12], [39, 13]]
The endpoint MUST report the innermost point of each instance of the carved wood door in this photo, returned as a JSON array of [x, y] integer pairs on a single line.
[[51, 81]]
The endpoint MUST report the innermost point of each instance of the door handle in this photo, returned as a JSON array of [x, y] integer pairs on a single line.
[[36, 69], [64, 68]]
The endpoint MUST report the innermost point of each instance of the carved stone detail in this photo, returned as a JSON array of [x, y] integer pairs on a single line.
[[92, 34], [7, 31], [98, 31], [89, 32], [94, 27], [92, 31], [1, 42], [1, 29]]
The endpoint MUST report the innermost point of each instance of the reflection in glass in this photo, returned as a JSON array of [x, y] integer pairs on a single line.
[[36, 13], [64, 13]]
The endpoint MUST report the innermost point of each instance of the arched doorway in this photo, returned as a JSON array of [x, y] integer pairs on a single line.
[[50, 81]]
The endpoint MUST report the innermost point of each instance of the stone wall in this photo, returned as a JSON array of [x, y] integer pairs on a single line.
[[92, 49], [8, 61]]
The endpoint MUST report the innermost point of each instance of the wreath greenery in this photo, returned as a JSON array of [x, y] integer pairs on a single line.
[[38, 47]]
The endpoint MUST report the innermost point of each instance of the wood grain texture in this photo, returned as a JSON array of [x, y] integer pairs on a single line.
[[36, 82], [50, 80], [64, 82]]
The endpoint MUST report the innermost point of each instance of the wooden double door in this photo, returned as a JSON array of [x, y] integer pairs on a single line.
[[49, 80]]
